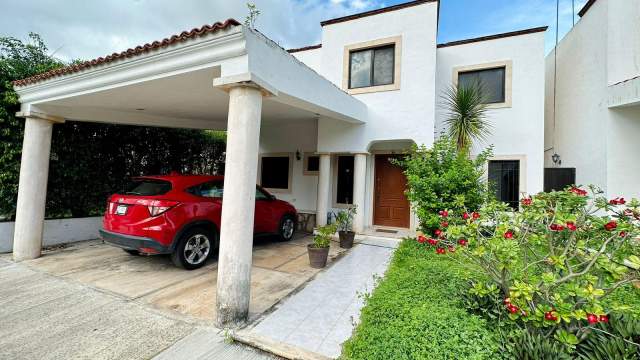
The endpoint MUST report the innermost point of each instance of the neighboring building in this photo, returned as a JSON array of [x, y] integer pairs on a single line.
[[592, 115], [402, 91]]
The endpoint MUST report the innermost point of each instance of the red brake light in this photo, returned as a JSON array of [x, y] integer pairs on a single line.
[[157, 207]]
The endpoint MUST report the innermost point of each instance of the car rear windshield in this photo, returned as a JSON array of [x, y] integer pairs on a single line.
[[147, 187]]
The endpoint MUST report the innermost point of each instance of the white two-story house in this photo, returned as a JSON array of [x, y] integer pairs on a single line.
[[389, 59]]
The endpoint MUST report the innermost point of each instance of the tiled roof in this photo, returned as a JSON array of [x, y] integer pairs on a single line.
[[494, 37], [375, 12], [311, 47], [138, 50]]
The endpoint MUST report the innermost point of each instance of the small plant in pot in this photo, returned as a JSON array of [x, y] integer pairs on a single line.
[[344, 220], [319, 249]]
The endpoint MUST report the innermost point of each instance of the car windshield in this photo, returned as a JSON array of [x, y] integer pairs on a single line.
[[147, 187]]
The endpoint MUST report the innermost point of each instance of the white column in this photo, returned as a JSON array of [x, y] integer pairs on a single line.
[[32, 189], [236, 235], [324, 184], [359, 180]]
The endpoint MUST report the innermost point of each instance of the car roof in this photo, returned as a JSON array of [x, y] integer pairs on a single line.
[[180, 181]]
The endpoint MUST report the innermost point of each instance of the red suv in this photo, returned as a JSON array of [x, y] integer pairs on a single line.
[[180, 215]]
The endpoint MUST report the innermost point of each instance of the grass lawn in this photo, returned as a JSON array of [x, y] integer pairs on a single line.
[[416, 312]]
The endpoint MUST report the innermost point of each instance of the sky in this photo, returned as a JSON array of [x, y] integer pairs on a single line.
[[86, 29]]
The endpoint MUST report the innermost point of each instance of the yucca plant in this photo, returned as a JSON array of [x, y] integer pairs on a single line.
[[466, 114]]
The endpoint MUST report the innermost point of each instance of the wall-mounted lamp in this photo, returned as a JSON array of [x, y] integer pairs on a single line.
[[298, 156], [556, 159]]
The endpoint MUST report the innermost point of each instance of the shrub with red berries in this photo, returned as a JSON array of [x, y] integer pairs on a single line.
[[555, 260]]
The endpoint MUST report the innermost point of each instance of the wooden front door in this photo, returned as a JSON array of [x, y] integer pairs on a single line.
[[391, 207]]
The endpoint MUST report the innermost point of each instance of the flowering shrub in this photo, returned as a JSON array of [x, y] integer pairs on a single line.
[[441, 177], [553, 263]]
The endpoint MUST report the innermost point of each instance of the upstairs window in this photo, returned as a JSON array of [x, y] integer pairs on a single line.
[[492, 81], [372, 67]]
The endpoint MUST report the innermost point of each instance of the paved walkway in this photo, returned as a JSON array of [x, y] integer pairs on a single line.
[[322, 315], [47, 317]]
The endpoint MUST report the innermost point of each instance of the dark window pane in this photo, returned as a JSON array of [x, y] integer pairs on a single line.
[[557, 179], [211, 189], [504, 177], [360, 69], [383, 65], [275, 172], [147, 187], [261, 195], [345, 180], [313, 163], [491, 80]]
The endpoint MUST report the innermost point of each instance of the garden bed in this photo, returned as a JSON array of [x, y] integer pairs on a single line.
[[417, 312]]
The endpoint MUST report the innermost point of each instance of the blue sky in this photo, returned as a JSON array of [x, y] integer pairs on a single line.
[[81, 29]]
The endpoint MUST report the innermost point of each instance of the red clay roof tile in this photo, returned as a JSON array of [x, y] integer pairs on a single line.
[[185, 35]]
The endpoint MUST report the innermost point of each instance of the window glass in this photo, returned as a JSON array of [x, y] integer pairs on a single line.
[[211, 189], [491, 80], [261, 195], [383, 66], [147, 187], [275, 172], [344, 194], [504, 177], [313, 163], [360, 69]]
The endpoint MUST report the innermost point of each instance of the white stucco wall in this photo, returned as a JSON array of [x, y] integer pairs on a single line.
[[406, 113], [56, 232], [287, 137], [623, 147], [581, 113], [311, 58], [517, 130], [623, 39]]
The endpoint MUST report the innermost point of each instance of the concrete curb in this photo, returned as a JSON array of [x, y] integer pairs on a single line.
[[275, 347]]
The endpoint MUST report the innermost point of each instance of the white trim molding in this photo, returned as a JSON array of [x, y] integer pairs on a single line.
[[508, 79]]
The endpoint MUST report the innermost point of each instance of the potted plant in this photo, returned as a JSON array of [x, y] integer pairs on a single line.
[[344, 220], [319, 249]]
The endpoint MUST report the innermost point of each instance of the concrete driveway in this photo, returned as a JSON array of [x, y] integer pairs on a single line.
[[91, 300]]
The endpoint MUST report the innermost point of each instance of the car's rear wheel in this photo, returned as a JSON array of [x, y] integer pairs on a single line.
[[132, 252], [287, 227], [194, 248]]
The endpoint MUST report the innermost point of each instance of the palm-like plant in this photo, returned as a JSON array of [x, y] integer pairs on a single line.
[[466, 114]]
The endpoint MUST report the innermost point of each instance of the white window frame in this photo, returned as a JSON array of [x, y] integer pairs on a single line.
[[346, 69], [288, 190], [508, 79]]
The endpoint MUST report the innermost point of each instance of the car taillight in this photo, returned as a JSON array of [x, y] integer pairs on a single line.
[[158, 207]]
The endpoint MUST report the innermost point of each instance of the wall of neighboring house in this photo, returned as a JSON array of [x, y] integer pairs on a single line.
[[517, 128], [623, 39], [623, 147], [285, 138], [577, 124]]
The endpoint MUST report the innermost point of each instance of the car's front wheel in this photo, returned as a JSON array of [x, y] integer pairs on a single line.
[[194, 248], [287, 227]]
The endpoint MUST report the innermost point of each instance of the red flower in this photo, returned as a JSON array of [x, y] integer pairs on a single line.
[[444, 224], [422, 239], [526, 201], [451, 249], [611, 225], [550, 315], [438, 232], [475, 215], [443, 213], [592, 319], [432, 241], [578, 191], [440, 251], [507, 301], [462, 242], [604, 318], [508, 235], [571, 226], [623, 233], [556, 227], [512, 308], [618, 201], [466, 216]]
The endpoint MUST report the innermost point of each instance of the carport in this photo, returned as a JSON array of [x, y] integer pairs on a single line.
[[220, 76]]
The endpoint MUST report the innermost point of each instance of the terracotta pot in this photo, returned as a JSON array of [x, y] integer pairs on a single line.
[[346, 239], [317, 256]]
